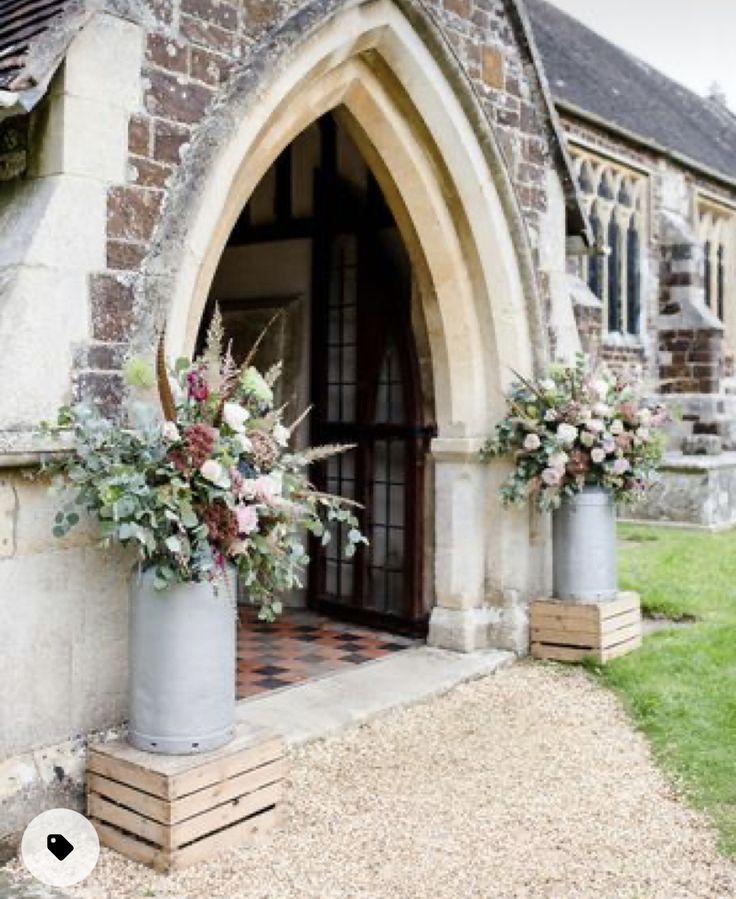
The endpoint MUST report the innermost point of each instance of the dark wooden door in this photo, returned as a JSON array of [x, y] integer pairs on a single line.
[[366, 388]]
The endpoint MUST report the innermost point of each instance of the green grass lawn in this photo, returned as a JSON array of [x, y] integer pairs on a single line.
[[681, 686]]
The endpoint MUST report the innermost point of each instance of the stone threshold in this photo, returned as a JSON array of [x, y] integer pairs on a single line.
[[324, 707]]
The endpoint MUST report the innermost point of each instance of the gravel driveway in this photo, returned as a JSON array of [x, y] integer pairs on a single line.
[[530, 783]]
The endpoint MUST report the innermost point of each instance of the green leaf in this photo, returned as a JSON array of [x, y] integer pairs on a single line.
[[58, 531]]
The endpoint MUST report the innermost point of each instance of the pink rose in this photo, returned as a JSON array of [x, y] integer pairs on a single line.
[[247, 519], [621, 466], [551, 477]]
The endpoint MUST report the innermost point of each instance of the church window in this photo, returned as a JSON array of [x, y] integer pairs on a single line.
[[615, 200]]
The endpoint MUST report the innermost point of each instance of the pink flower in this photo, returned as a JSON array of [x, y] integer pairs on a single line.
[[264, 489], [551, 477], [247, 519], [197, 386], [532, 442], [621, 466]]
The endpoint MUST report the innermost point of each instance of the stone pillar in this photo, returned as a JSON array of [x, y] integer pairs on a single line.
[[459, 621], [489, 561]]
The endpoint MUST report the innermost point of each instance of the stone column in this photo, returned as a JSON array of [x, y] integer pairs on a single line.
[[459, 620], [489, 561]]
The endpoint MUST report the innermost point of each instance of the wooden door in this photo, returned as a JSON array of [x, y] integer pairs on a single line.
[[366, 389]]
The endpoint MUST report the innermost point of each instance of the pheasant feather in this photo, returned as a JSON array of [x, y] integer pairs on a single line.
[[162, 377]]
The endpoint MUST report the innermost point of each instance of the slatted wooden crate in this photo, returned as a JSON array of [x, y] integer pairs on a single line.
[[571, 631], [169, 812]]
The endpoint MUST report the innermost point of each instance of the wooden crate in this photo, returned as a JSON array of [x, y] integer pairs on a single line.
[[571, 631], [172, 811]]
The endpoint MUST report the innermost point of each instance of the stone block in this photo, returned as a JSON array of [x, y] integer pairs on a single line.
[[207, 35], [147, 173], [492, 69], [259, 13], [702, 445], [221, 14], [105, 389], [111, 300], [132, 213], [91, 70], [168, 140], [42, 320], [139, 135], [208, 67], [124, 256], [167, 53], [168, 96]]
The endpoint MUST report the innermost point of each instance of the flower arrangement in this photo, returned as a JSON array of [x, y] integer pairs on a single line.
[[578, 426], [214, 483]]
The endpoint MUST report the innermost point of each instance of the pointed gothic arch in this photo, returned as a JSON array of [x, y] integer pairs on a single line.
[[396, 88]]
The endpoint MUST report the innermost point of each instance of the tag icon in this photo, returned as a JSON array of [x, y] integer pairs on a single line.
[[59, 846]]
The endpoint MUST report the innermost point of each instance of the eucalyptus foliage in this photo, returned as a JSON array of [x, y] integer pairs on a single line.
[[216, 482]]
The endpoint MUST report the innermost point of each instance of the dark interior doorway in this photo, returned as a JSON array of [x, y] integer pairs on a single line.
[[318, 241]]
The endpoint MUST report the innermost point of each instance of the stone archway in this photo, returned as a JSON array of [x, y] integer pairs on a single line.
[[444, 179]]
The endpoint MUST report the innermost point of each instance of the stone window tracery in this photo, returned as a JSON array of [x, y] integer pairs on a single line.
[[615, 200], [717, 233]]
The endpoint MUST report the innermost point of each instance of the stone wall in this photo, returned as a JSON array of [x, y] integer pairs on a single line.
[[682, 349], [692, 492], [115, 133], [192, 47]]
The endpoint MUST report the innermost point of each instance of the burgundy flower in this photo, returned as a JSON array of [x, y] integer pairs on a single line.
[[222, 524], [199, 441], [197, 386]]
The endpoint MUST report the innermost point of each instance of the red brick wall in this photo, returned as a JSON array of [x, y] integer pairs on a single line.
[[191, 52]]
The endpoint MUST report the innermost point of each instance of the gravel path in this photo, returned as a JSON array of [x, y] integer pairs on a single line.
[[530, 783]]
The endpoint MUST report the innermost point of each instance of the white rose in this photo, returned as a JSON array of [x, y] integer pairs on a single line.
[[600, 388], [601, 410], [245, 443], [548, 385], [235, 416], [645, 417], [598, 455], [215, 473], [532, 442], [617, 427], [169, 431], [567, 433], [643, 434], [587, 439], [281, 435], [596, 426], [558, 460], [552, 477]]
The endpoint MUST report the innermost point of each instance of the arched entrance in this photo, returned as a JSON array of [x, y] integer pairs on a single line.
[[318, 244], [395, 88]]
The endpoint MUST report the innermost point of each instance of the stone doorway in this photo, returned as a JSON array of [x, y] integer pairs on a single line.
[[318, 244]]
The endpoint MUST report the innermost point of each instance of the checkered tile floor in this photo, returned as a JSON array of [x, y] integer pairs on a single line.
[[302, 645]]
